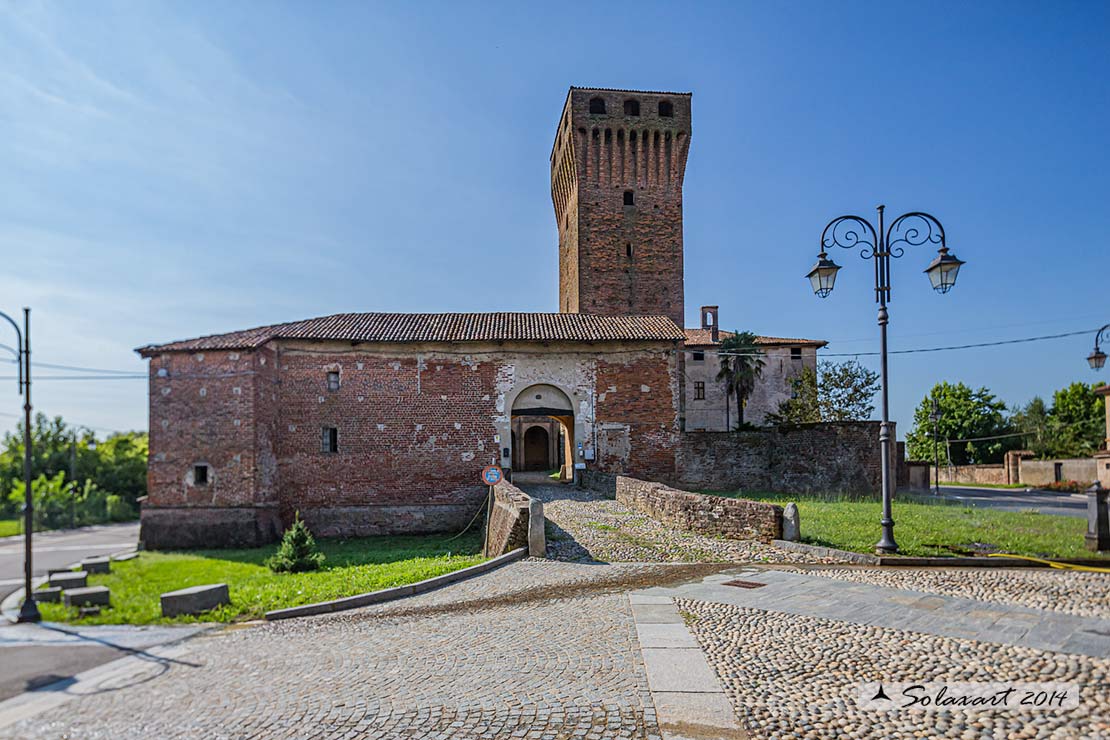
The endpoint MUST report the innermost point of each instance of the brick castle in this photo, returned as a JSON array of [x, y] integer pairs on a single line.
[[376, 423]]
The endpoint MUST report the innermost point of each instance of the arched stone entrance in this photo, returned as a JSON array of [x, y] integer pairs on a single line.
[[543, 431]]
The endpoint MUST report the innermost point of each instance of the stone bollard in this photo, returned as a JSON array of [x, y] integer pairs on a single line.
[[791, 527], [1098, 518]]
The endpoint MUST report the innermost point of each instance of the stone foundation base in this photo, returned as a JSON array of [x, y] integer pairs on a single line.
[[195, 527], [369, 521]]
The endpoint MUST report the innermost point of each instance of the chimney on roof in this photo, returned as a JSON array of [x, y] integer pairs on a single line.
[[709, 321]]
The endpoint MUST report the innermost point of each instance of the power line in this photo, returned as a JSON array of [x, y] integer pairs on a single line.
[[75, 368], [37, 378], [927, 349]]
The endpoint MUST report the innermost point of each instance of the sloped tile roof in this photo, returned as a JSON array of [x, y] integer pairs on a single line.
[[704, 338], [440, 327]]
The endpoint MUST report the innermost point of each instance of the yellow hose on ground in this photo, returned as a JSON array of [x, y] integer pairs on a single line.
[[1052, 563]]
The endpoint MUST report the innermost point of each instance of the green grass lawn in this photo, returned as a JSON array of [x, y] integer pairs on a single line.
[[352, 567], [932, 529], [10, 527], [984, 485]]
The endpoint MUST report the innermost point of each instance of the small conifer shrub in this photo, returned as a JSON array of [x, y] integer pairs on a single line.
[[298, 552]]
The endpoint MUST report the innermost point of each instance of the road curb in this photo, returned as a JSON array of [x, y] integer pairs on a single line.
[[398, 592]]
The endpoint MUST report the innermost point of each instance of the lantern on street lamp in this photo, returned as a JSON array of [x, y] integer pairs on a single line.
[[823, 275], [1097, 359], [942, 271]]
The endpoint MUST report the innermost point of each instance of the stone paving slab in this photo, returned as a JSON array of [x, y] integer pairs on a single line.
[[811, 595]]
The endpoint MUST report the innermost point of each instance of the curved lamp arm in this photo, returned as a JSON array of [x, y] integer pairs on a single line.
[[849, 232], [19, 344], [912, 230]]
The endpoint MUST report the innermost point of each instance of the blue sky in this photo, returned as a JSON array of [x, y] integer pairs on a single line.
[[180, 169]]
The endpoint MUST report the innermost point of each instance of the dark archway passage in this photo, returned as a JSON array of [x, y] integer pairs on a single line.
[[537, 446]]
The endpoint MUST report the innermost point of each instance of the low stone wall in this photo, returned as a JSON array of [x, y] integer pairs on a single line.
[[188, 527], [603, 483], [918, 477], [1042, 472], [695, 512], [970, 474], [516, 520], [840, 457]]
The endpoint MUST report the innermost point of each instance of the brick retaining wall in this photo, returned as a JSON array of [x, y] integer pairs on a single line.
[[835, 457], [695, 512], [516, 520]]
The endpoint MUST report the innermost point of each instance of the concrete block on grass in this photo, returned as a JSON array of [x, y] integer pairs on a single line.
[[52, 594], [88, 596], [96, 565], [69, 579], [194, 600]]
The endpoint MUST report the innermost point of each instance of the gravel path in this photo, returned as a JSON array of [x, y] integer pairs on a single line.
[[585, 526], [1071, 592], [796, 678]]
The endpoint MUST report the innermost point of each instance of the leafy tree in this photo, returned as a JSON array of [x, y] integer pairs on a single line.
[[1074, 426], [843, 392], [298, 551], [741, 366], [1035, 419], [966, 414], [115, 465]]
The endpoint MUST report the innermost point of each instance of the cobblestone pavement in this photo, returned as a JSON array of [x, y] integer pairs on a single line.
[[1071, 592], [584, 526], [793, 677], [535, 650]]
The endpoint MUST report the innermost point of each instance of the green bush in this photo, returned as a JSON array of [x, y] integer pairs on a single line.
[[118, 509], [298, 551]]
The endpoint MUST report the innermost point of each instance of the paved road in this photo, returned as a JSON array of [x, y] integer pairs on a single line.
[[579, 651], [1014, 499], [59, 549]]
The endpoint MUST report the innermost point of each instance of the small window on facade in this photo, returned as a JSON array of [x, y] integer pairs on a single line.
[[329, 439], [628, 250], [632, 107], [666, 109], [629, 198], [699, 391], [795, 353], [698, 357], [200, 475], [333, 381], [597, 105]]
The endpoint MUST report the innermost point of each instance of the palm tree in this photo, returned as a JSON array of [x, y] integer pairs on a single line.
[[741, 366]]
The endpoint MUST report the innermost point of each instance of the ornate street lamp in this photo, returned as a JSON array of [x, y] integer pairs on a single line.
[[29, 611], [1097, 359], [911, 229]]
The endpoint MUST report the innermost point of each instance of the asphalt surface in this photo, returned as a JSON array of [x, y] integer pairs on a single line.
[[1013, 499], [61, 548]]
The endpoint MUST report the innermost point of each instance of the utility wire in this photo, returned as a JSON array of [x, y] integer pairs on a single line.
[[925, 349]]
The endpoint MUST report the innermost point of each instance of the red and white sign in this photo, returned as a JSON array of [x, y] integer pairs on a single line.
[[492, 475]]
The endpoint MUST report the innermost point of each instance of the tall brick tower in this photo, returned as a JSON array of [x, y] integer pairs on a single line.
[[616, 183]]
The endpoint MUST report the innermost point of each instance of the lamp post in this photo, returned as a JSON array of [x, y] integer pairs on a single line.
[[908, 230], [29, 611], [1097, 359], [934, 417]]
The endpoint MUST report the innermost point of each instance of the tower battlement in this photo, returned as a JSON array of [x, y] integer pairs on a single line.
[[617, 168]]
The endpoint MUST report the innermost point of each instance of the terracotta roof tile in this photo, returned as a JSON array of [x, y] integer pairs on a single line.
[[704, 337], [440, 327]]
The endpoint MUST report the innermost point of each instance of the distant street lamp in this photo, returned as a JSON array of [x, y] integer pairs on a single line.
[[935, 418], [910, 229], [29, 611], [1097, 359]]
